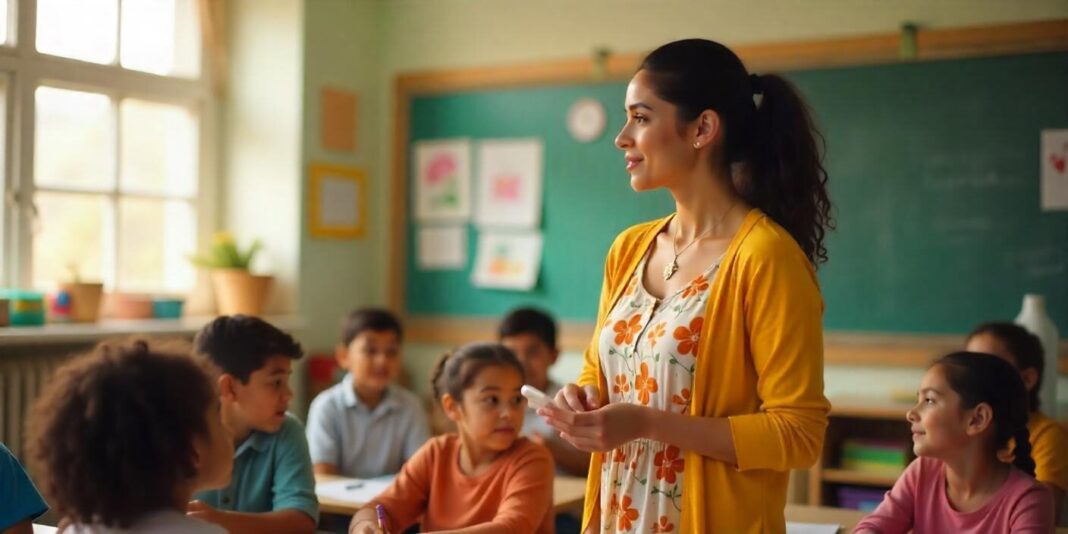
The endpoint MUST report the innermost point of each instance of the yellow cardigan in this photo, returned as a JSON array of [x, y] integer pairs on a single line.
[[759, 363]]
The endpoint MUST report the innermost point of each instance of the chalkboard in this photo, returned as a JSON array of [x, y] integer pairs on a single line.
[[934, 173]]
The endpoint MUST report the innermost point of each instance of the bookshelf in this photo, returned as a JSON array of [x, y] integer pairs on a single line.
[[857, 418]]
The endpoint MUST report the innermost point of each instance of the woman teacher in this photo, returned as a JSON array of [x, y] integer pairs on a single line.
[[703, 384]]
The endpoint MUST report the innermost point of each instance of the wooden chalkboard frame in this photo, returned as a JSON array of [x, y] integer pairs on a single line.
[[879, 349]]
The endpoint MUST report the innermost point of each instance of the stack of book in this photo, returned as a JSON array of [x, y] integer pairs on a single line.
[[877, 457]]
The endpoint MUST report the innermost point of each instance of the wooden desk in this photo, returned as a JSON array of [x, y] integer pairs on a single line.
[[824, 514], [568, 492], [842, 516]]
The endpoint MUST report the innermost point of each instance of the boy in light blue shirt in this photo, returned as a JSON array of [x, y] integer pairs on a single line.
[[20, 503], [272, 488], [366, 426]]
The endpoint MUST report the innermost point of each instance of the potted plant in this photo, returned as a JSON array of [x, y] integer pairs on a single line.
[[84, 296], [237, 291]]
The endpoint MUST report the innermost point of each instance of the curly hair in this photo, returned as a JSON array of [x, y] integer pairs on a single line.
[[112, 435], [777, 138]]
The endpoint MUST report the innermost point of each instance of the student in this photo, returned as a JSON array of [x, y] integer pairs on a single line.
[[969, 407], [1049, 440], [485, 478], [531, 334], [366, 426], [20, 503], [273, 489], [124, 435]]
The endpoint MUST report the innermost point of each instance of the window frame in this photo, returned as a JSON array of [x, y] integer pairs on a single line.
[[26, 70]]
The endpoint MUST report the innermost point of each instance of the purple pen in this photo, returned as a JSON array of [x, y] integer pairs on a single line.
[[381, 513]]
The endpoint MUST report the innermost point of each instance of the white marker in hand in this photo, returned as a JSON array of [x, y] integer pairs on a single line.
[[536, 398]]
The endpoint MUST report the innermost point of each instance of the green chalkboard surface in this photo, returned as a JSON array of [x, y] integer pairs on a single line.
[[934, 173]]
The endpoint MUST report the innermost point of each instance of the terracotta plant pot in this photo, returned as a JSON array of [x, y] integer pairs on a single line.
[[239, 292], [128, 306], [84, 301]]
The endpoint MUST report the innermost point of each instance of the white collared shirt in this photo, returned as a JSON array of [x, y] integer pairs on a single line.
[[361, 442]]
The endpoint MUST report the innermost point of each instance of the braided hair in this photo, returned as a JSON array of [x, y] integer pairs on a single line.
[[456, 370]]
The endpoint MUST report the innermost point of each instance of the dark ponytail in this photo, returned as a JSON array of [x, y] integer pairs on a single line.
[[456, 371], [982, 378], [777, 139], [1021, 454]]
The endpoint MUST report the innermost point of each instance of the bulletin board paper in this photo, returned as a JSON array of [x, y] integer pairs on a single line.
[[508, 261], [443, 180], [510, 183], [1054, 170], [443, 248]]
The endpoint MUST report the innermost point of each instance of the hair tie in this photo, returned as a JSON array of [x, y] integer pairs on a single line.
[[755, 84]]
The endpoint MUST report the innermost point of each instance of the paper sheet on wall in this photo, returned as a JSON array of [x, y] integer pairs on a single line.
[[337, 119], [507, 261], [442, 180], [510, 183], [339, 202], [352, 489], [1054, 170], [443, 248], [811, 528]]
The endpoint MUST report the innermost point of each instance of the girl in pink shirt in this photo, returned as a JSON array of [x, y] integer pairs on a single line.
[[971, 408]]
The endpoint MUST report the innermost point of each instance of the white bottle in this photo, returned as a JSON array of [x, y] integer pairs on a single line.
[[1034, 318]]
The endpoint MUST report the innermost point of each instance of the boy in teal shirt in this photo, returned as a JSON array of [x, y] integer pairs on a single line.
[[272, 488], [20, 503]]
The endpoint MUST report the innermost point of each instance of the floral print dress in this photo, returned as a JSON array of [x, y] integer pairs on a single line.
[[648, 352]]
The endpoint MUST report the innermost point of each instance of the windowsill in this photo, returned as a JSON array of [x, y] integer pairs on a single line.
[[61, 333]]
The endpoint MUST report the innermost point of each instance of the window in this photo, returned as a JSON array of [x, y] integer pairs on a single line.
[[109, 183]]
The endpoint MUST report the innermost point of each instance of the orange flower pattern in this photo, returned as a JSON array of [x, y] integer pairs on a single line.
[[668, 464], [644, 384], [688, 337], [698, 286], [626, 330], [664, 525], [656, 333], [648, 350], [627, 514], [682, 398]]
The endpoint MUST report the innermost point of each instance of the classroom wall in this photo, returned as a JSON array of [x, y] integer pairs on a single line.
[[341, 50], [261, 138]]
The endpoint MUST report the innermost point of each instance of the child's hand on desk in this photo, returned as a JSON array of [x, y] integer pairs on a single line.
[[366, 526]]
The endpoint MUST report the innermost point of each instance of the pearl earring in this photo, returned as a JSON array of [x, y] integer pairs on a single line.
[[697, 144]]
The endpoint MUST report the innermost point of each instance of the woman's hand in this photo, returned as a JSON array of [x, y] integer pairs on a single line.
[[578, 399], [601, 429]]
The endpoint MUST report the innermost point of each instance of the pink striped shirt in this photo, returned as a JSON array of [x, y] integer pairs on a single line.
[[918, 502]]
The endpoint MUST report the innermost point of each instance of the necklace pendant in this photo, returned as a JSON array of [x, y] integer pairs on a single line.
[[670, 269]]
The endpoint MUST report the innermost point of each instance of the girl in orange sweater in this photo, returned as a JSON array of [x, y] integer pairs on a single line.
[[482, 479]]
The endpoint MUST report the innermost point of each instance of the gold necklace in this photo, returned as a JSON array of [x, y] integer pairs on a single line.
[[673, 267]]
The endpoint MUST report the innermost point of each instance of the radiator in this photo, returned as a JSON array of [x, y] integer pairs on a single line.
[[21, 379]]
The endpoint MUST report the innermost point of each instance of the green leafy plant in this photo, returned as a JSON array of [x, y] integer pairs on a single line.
[[225, 254]]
